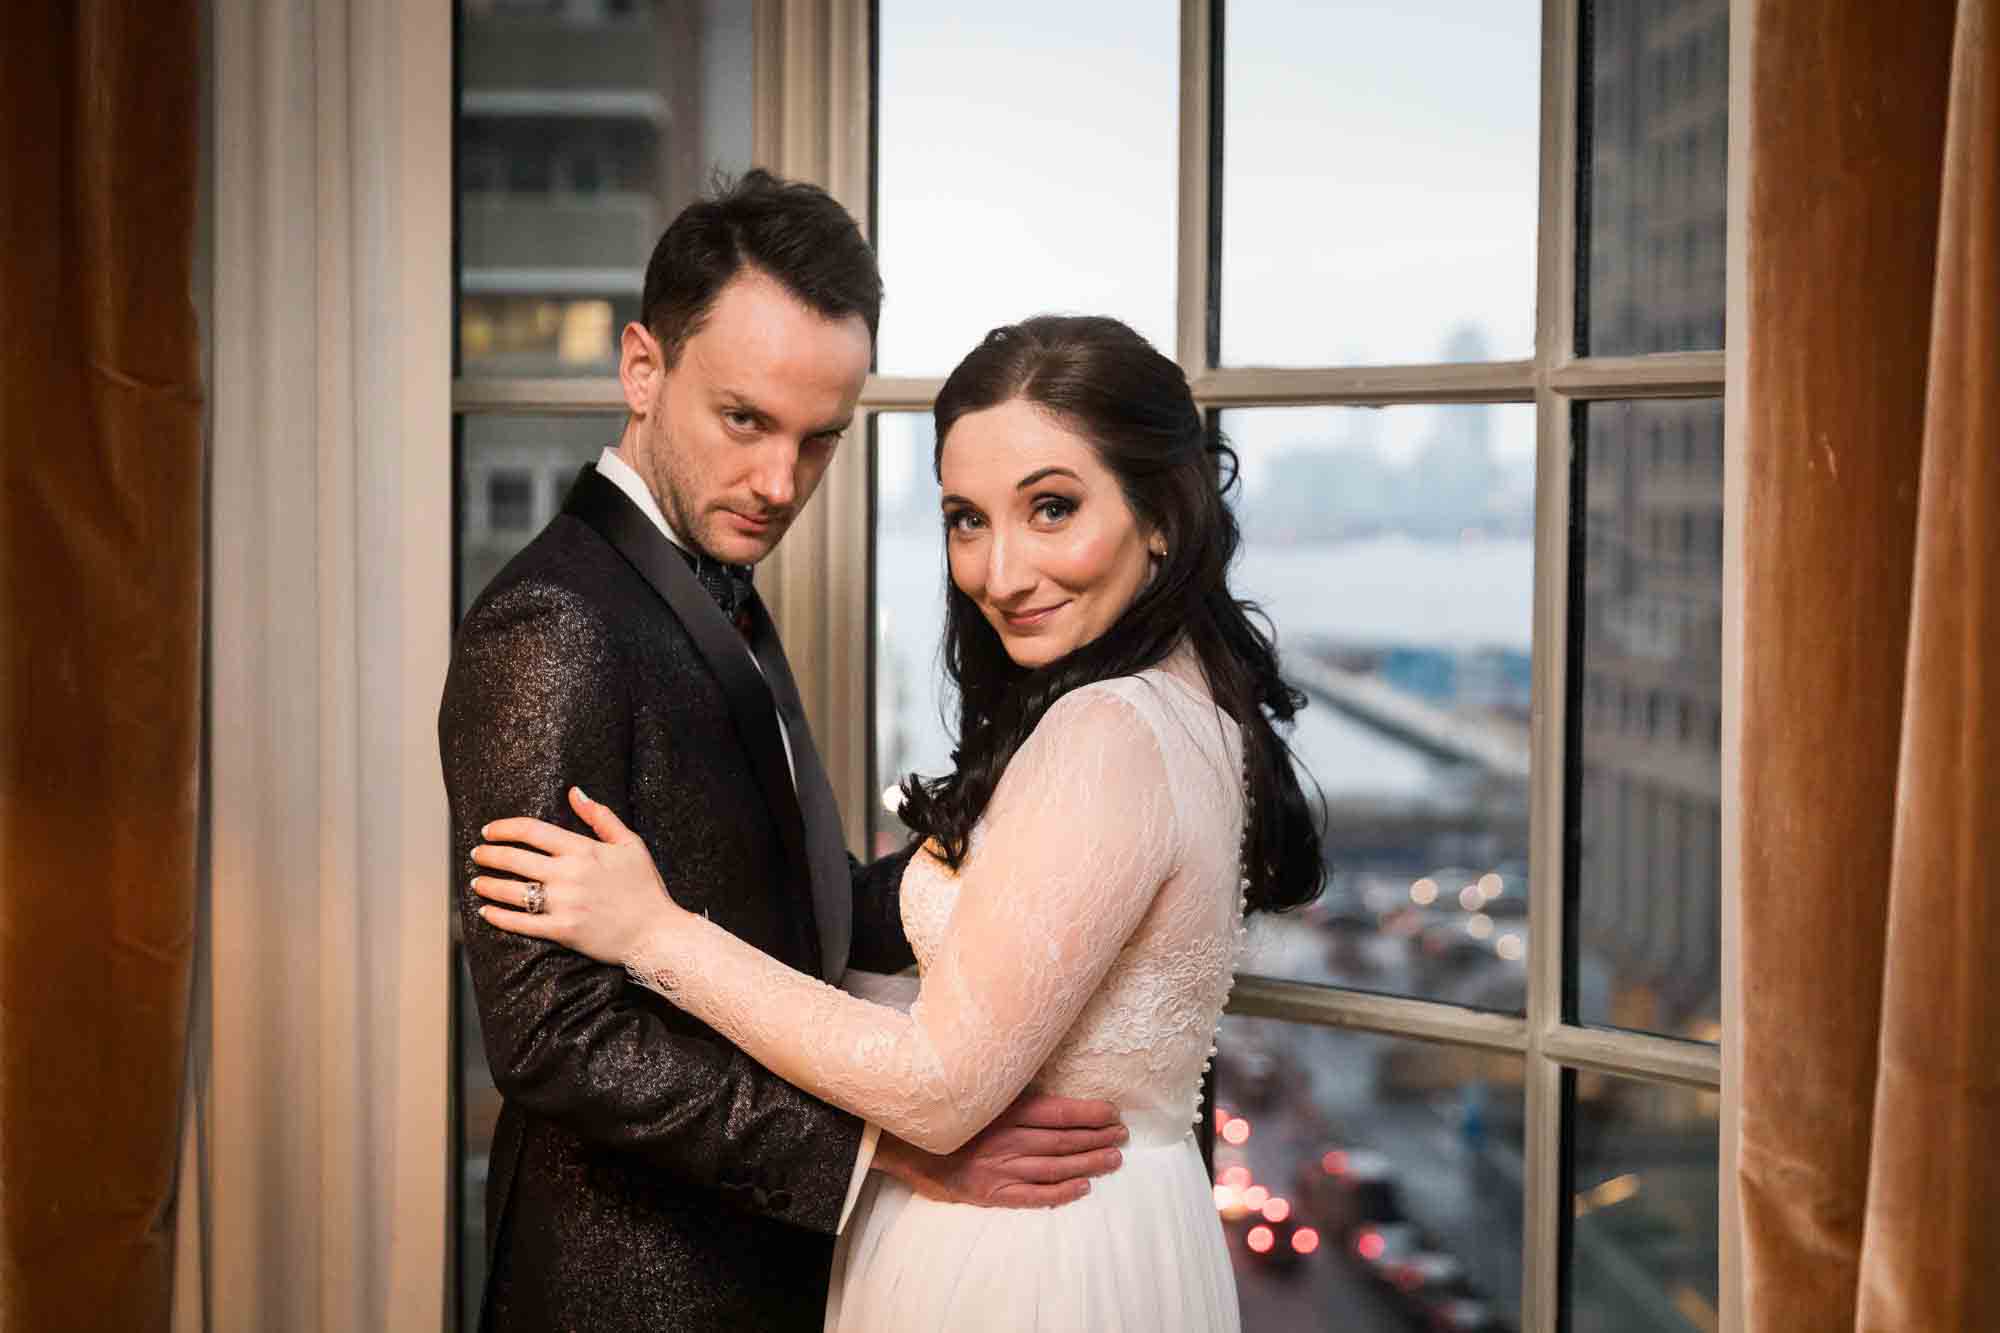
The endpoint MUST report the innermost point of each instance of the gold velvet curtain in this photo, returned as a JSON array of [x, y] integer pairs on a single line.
[[1870, 1098], [100, 639]]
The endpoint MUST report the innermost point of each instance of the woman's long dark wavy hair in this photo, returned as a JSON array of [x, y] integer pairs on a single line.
[[1105, 381]]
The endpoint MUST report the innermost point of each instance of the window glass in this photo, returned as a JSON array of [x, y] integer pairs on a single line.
[[912, 733], [1643, 1240], [582, 129], [1368, 1183], [1647, 691], [1027, 161], [1378, 198], [1655, 113], [513, 472], [1393, 551], [510, 500]]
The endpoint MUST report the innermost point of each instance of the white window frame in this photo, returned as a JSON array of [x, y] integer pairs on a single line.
[[814, 116]]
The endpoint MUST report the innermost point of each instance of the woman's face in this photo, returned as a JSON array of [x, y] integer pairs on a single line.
[[1037, 531]]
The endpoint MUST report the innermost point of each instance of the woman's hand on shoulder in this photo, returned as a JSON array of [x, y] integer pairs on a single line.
[[600, 896]]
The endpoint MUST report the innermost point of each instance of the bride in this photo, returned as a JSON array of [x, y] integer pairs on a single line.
[[1121, 800]]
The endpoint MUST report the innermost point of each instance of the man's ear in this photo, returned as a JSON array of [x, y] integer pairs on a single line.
[[640, 366]]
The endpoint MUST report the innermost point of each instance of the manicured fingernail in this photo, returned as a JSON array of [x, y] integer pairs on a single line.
[[583, 796], [485, 830], [482, 913]]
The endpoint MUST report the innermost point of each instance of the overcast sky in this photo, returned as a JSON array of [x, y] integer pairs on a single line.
[[1379, 187]]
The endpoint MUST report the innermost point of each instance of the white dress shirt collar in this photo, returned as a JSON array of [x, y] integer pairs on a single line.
[[620, 474]]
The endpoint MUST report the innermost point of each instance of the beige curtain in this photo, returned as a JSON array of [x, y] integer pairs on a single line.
[[326, 1188], [100, 641], [1869, 1149]]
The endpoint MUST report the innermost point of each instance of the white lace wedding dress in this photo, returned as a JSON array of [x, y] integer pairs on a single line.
[[1085, 949]]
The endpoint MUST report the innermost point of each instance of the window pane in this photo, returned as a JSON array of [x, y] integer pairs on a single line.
[[523, 335], [582, 129], [1655, 110], [1393, 550], [911, 734], [1027, 161], [513, 473], [1643, 1246], [1401, 1159], [1647, 693], [1378, 198]]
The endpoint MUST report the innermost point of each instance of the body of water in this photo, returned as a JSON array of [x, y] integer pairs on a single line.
[[1393, 590]]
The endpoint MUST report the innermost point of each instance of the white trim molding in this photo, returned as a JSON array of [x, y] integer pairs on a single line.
[[325, 1078]]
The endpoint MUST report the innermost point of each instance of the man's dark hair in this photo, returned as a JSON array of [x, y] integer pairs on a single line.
[[792, 231]]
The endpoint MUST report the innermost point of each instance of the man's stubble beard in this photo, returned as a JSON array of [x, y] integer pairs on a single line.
[[662, 481], [687, 526]]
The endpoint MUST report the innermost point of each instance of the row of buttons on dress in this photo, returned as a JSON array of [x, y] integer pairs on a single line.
[[1242, 911]]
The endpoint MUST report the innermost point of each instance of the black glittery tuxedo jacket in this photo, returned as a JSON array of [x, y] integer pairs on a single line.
[[646, 1174]]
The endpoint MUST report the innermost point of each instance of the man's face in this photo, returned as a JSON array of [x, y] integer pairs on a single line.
[[733, 439]]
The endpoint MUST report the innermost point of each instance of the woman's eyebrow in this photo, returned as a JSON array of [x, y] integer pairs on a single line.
[[1045, 473]]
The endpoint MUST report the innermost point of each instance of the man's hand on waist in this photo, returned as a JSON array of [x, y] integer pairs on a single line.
[[1041, 1152]]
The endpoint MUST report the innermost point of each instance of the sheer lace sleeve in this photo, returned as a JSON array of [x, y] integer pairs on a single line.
[[1077, 840]]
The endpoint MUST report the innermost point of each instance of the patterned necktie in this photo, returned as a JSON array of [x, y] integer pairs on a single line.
[[728, 585]]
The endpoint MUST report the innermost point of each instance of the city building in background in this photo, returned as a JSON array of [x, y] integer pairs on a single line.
[[1651, 498], [583, 127]]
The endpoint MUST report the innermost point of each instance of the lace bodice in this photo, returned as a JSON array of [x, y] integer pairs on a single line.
[[1085, 947]]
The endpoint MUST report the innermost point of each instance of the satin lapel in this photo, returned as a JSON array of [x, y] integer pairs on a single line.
[[605, 508], [826, 844]]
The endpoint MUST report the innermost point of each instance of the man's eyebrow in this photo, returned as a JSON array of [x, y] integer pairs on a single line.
[[742, 402], [952, 498], [1044, 474], [737, 400]]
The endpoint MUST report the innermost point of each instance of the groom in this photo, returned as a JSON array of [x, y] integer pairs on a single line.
[[645, 1174]]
